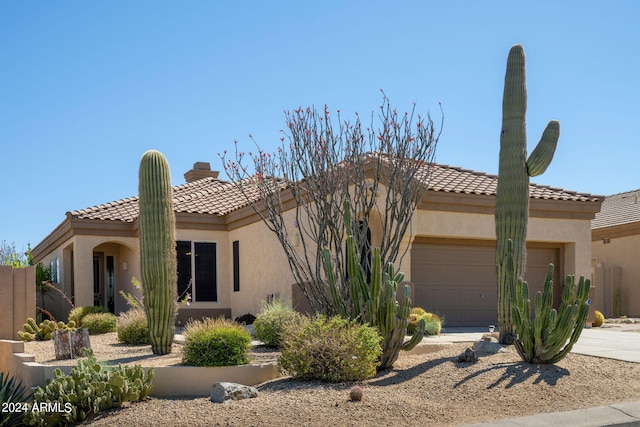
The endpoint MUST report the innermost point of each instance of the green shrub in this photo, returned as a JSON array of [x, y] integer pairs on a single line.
[[89, 389], [331, 349], [218, 342], [78, 313], [133, 328], [15, 395], [272, 319], [99, 323]]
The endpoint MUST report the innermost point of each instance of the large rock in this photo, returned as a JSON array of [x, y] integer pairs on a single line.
[[487, 348], [221, 392]]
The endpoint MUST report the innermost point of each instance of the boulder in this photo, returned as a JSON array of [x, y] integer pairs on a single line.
[[487, 348], [222, 391]]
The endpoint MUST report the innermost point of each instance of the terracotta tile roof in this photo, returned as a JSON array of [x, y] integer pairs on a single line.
[[454, 179], [618, 209], [218, 197], [205, 196]]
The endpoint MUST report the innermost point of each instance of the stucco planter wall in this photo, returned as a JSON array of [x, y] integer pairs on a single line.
[[168, 381]]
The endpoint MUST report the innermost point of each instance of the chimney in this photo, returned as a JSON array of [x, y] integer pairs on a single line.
[[200, 170]]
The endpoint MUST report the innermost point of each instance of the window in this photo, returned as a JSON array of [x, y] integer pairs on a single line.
[[236, 266], [197, 270]]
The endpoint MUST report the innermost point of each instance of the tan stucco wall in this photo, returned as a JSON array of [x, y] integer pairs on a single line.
[[574, 235], [622, 252], [264, 268]]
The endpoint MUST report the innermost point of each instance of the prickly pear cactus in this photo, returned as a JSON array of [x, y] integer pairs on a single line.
[[158, 249], [375, 303], [512, 198], [89, 389]]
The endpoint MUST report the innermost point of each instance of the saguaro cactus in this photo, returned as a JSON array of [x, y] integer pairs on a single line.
[[512, 199], [551, 334], [158, 249], [375, 303]]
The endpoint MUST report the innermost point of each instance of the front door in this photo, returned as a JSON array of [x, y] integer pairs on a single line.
[[98, 281], [104, 281]]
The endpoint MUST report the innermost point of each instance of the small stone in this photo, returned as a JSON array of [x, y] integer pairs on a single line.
[[468, 356], [223, 391]]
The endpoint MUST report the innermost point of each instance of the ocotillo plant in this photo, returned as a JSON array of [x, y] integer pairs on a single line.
[[374, 303], [158, 249], [512, 198], [551, 334]]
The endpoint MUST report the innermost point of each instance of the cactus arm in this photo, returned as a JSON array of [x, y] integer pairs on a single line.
[[542, 155], [551, 335], [512, 195], [338, 301], [374, 303]]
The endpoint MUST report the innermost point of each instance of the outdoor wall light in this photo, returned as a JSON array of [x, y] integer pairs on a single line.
[[125, 266]]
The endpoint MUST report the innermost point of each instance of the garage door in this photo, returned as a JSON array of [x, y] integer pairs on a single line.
[[457, 278]]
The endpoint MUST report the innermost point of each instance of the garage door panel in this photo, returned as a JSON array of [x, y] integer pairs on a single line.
[[459, 281]]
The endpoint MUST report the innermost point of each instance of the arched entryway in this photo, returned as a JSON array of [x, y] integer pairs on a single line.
[[111, 274]]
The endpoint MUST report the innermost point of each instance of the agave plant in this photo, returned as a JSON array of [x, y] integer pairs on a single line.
[[13, 398]]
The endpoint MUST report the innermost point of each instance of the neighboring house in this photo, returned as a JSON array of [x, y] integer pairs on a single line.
[[234, 262], [615, 254]]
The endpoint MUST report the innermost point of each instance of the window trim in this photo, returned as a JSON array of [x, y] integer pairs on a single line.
[[193, 273], [235, 255]]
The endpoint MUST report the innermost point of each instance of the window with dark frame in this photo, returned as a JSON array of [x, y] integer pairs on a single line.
[[236, 266], [197, 270]]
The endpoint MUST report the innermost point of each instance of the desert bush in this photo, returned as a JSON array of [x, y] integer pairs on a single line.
[[100, 323], [13, 398], [272, 319], [599, 320], [330, 349], [133, 328], [89, 389], [78, 313], [218, 342]]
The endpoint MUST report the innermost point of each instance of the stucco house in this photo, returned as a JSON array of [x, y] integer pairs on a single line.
[[234, 262], [615, 250]]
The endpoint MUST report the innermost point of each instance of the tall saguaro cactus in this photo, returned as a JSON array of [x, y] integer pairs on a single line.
[[512, 199], [158, 249]]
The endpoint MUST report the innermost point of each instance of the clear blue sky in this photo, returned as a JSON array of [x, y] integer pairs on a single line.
[[87, 86]]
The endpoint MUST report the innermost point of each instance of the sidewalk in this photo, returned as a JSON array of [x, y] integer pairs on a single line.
[[599, 342]]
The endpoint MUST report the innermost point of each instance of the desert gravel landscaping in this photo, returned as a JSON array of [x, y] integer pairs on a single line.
[[431, 389]]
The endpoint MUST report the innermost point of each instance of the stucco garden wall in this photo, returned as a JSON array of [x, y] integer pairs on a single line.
[[18, 296], [168, 381], [622, 253]]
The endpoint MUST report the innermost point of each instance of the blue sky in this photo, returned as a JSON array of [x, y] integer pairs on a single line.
[[87, 87]]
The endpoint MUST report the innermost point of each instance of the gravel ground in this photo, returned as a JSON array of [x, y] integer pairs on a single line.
[[422, 390]]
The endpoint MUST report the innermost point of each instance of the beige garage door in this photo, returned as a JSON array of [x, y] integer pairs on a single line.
[[457, 278]]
